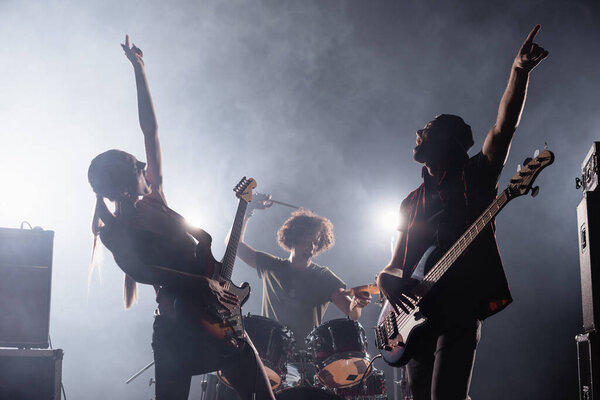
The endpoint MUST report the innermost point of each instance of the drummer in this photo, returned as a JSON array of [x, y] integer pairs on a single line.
[[296, 291]]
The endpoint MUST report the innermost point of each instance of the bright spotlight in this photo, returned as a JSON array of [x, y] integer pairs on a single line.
[[389, 219]]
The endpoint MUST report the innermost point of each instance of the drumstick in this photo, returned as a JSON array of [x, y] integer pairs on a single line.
[[284, 204], [267, 200], [371, 288]]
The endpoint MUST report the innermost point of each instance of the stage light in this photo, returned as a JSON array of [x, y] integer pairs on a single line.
[[389, 219]]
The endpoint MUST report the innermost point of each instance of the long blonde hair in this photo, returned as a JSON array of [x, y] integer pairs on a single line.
[[109, 177]]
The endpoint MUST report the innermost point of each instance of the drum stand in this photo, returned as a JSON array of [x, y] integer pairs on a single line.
[[403, 383], [203, 386], [140, 372], [304, 359]]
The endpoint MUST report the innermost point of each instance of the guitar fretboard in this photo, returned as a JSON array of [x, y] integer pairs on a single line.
[[459, 247], [234, 239], [392, 322]]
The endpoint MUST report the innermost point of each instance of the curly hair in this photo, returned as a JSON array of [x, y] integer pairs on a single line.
[[303, 223]]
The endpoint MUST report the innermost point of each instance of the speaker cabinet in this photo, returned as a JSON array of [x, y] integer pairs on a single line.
[[30, 374], [25, 280], [588, 222], [589, 365]]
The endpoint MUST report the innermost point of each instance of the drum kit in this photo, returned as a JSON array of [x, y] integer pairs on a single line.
[[334, 364]]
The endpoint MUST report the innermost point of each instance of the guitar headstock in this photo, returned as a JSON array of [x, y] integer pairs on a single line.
[[521, 183], [243, 190]]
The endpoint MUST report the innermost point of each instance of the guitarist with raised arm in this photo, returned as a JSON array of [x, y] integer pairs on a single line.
[[456, 189], [197, 328]]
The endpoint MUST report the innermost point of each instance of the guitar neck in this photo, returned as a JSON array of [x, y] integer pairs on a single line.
[[459, 247], [234, 239]]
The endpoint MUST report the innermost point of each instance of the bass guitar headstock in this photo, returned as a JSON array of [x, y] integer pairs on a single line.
[[243, 190], [522, 182]]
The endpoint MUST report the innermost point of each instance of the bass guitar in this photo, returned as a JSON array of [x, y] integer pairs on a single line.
[[395, 331], [222, 322]]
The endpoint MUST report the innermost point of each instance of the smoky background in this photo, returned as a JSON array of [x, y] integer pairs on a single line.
[[319, 102]]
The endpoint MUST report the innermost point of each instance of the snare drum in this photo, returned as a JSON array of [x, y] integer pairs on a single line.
[[339, 348], [273, 342]]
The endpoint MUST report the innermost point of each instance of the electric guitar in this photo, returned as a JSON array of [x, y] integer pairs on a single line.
[[222, 322], [394, 332]]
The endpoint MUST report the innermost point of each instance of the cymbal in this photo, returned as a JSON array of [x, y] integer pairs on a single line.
[[371, 288]]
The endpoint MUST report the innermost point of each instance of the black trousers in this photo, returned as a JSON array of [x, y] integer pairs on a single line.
[[442, 363], [179, 354]]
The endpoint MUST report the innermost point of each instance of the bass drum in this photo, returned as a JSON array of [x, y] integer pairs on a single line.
[[372, 388], [306, 393], [339, 349], [273, 342]]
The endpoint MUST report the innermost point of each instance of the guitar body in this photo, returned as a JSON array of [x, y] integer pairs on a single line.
[[395, 332], [399, 339], [222, 322], [398, 351]]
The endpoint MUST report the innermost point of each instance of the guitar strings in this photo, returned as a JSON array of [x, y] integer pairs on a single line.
[[399, 320]]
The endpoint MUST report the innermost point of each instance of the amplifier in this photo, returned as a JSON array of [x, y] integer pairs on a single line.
[[588, 359], [25, 279], [589, 170], [588, 223], [30, 374]]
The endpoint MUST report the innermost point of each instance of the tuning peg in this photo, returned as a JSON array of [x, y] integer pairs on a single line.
[[518, 167], [534, 191], [545, 146], [536, 153], [527, 160]]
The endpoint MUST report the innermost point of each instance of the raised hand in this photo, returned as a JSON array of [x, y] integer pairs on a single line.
[[133, 53], [530, 54], [260, 201]]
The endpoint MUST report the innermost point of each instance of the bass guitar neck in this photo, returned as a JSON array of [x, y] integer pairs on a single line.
[[395, 331]]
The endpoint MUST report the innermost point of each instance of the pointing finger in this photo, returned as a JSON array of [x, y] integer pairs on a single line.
[[531, 35]]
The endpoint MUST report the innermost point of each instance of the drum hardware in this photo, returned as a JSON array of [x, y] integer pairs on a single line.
[[333, 344], [303, 393], [273, 342], [203, 386], [302, 362], [140, 372], [371, 388], [270, 341], [369, 369], [403, 383]]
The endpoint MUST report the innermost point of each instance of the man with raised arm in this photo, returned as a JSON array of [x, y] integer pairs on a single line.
[[296, 291], [456, 188]]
